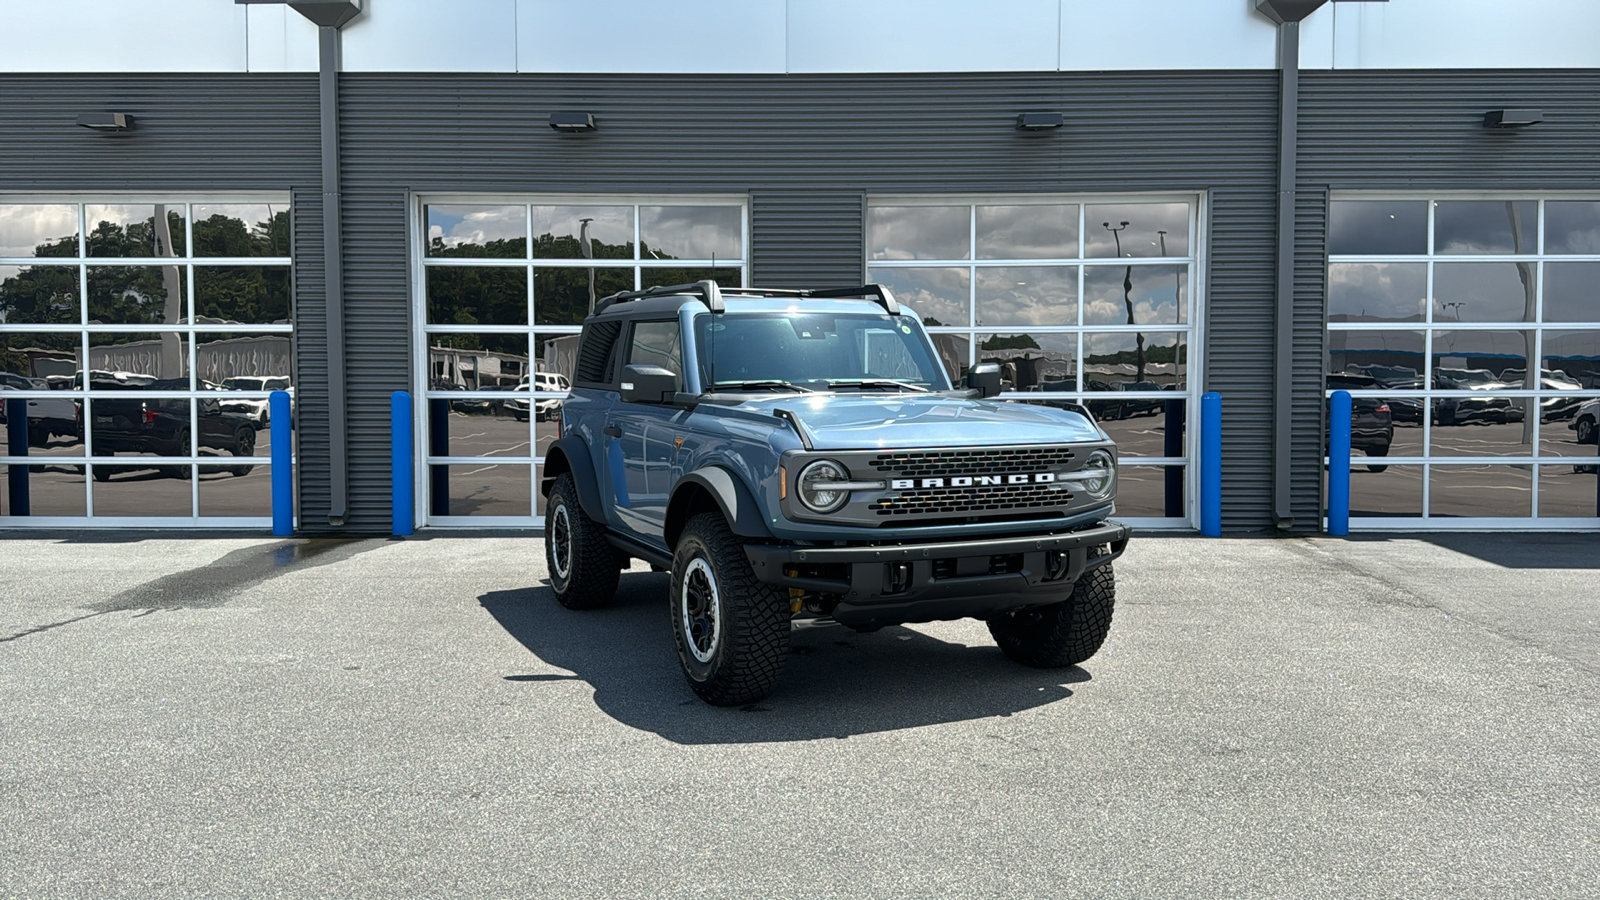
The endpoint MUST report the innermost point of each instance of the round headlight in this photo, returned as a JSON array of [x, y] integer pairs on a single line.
[[1099, 475], [822, 472]]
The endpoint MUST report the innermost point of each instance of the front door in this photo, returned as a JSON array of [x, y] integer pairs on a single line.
[[644, 437]]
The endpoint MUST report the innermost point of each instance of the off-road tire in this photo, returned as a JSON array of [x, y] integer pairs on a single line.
[[1062, 634], [750, 642], [589, 578]]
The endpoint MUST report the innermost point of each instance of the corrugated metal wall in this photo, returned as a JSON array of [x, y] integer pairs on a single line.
[[807, 239], [193, 133], [806, 149]]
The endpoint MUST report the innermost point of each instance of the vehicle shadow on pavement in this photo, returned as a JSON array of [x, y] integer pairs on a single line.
[[836, 682]]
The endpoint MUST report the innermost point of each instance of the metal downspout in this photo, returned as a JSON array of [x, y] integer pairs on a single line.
[[1283, 336], [333, 262]]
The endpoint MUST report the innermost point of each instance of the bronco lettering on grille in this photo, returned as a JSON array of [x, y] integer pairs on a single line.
[[967, 481]]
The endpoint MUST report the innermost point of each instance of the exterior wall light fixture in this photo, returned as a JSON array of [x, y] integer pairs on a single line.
[[106, 121], [1512, 118], [1039, 121], [572, 122]]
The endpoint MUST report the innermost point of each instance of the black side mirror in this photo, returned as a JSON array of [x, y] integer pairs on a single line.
[[985, 379], [648, 384]]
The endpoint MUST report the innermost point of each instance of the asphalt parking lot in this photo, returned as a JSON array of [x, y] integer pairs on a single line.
[[1270, 718]]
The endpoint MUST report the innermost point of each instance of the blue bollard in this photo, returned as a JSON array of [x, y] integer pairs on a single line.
[[1211, 464], [1339, 464], [401, 473], [281, 425]]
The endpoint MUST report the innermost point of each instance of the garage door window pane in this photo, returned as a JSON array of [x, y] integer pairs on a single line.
[[1377, 292], [1574, 356], [255, 295], [690, 232], [1377, 227], [919, 232], [1485, 292], [1569, 490], [39, 295], [1159, 358], [1394, 492], [1480, 491], [1572, 292], [1134, 295], [1136, 230], [1572, 226], [476, 361], [242, 489], [487, 295], [1485, 226], [1479, 360], [53, 490], [254, 229], [138, 230], [476, 232], [147, 490], [138, 295], [1027, 295], [1028, 232], [493, 490], [38, 230], [1032, 362], [582, 232]]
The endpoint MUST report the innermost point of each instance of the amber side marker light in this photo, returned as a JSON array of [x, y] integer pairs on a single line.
[[783, 484]]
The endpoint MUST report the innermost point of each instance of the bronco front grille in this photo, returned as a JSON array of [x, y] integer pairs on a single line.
[[957, 463], [978, 502]]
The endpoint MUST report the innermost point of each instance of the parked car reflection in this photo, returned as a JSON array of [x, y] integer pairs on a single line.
[[1464, 410], [47, 417], [1371, 419], [1401, 380], [256, 409], [160, 427]]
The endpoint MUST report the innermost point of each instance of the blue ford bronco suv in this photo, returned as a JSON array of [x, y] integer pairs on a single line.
[[803, 454]]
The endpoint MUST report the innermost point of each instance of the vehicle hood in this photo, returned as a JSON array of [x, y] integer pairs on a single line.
[[871, 421]]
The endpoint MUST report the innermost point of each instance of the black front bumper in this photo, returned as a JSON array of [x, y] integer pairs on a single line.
[[941, 580]]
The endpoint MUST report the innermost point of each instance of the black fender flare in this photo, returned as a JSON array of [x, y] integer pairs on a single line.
[[571, 454], [736, 502]]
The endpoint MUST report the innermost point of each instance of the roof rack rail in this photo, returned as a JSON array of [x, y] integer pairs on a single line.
[[877, 291], [707, 291], [711, 295]]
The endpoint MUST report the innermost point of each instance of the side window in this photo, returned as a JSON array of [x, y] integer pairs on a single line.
[[656, 344]]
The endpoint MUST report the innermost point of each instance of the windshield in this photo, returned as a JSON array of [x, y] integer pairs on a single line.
[[242, 384], [816, 352]]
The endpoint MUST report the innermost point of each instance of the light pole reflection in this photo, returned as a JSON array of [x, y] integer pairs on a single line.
[[1127, 299]]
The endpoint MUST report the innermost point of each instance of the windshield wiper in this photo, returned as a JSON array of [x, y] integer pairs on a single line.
[[763, 386], [867, 383]]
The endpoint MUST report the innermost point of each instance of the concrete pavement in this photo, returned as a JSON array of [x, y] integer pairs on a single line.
[[1270, 718]]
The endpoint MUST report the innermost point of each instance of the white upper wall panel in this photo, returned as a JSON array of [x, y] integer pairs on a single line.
[[633, 36], [1316, 39], [924, 35], [280, 40], [432, 36], [121, 36], [1166, 34], [1467, 34]]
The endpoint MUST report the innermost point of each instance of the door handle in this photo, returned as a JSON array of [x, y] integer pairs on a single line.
[[612, 430]]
